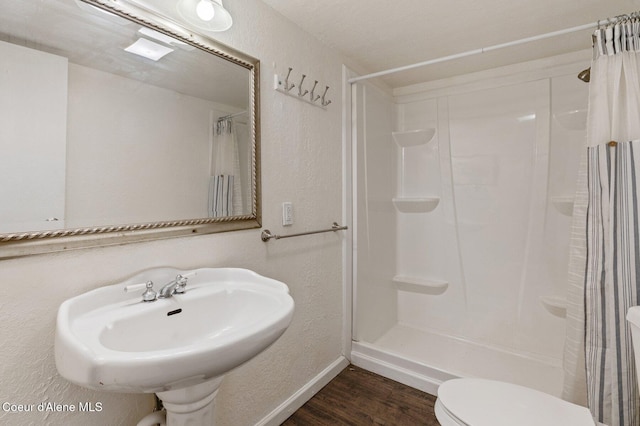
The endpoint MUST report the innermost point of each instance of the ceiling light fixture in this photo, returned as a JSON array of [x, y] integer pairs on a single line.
[[148, 49], [208, 15], [205, 11]]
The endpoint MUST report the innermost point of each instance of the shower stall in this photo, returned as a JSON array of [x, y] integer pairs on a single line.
[[462, 204]]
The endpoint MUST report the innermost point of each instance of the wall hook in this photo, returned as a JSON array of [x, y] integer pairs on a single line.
[[288, 87], [313, 97], [300, 92], [325, 103]]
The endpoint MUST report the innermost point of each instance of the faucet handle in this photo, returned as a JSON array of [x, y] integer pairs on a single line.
[[149, 295], [181, 281]]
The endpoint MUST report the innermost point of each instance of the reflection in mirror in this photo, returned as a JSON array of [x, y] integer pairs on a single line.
[[105, 122]]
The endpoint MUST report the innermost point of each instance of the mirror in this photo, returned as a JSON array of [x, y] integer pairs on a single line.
[[118, 125]]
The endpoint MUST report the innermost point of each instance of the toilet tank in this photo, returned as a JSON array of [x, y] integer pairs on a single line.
[[633, 316]]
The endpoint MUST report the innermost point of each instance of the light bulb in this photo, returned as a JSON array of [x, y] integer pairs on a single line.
[[204, 10]]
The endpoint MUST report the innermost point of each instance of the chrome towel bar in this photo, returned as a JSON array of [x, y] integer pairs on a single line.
[[267, 235]]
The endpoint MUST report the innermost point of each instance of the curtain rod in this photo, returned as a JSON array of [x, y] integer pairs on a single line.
[[481, 50], [225, 117]]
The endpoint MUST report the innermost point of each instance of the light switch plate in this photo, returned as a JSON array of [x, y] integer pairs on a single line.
[[287, 214]]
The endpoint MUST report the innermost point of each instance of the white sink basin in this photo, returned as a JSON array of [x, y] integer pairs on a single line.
[[110, 340]]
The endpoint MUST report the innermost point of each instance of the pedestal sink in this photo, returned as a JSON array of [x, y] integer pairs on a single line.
[[178, 347]]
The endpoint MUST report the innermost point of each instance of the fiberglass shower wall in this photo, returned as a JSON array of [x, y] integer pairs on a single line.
[[375, 218], [464, 200]]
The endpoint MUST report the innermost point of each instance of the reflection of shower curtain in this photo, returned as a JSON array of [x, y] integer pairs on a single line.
[[225, 193], [605, 245]]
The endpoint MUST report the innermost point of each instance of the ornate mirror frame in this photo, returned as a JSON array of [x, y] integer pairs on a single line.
[[37, 242]]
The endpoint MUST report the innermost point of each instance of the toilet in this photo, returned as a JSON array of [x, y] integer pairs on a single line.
[[481, 402]]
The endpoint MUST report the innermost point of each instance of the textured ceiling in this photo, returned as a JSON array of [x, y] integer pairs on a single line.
[[381, 34]]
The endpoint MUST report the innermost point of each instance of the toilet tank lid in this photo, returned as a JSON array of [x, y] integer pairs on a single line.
[[481, 402]]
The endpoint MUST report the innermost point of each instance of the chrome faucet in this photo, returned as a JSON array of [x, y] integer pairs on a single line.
[[176, 286]]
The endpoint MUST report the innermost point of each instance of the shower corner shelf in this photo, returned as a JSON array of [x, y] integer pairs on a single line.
[[414, 137], [420, 285], [563, 204], [416, 204], [555, 305]]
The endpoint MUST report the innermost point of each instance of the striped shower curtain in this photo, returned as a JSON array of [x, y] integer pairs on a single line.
[[225, 183], [221, 195], [605, 246], [611, 281]]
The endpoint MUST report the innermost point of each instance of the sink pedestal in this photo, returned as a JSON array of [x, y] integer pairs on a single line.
[[191, 406]]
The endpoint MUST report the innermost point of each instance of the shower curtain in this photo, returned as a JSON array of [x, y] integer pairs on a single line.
[[605, 245], [225, 186]]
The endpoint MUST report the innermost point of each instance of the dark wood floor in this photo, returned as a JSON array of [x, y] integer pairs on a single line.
[[359, 397]]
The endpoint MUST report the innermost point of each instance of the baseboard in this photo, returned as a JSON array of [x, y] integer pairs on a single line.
[[297, 400], [394, 367]]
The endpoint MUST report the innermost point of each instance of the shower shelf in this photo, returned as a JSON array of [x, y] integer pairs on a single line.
[[564, 204], [416, 204], [413, 137], [555, 305], [419, 285]]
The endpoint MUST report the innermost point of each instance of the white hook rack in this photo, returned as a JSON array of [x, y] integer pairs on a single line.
[[310, 97]]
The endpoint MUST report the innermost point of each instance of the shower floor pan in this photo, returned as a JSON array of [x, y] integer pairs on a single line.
[[424, 359]]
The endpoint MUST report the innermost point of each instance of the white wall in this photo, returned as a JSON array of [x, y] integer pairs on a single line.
[[102, 157], [36, 168], [301, 163]]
